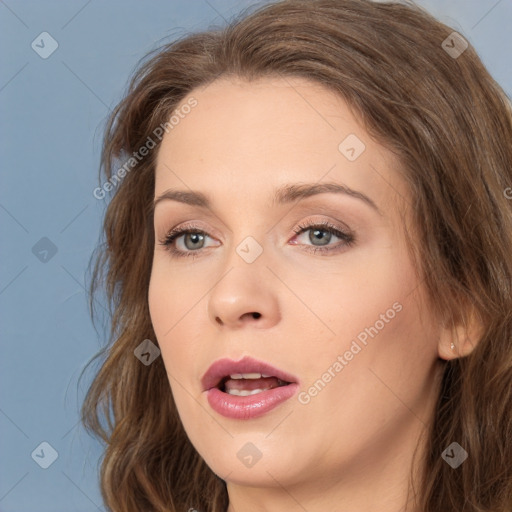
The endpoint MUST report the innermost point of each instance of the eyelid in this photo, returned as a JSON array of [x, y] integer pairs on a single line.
[[195, 226]]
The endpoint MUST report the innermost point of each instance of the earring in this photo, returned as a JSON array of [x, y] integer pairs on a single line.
[[452, 345]]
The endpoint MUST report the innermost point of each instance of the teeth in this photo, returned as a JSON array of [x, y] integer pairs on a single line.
[[244, 392], [247, 376]]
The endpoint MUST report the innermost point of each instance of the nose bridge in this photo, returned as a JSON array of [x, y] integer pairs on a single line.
[[245, 291], [248, 236]]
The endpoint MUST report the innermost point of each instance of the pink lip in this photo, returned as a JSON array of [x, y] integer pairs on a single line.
[[246, 407]]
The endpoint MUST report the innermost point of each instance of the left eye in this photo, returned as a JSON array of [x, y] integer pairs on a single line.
[[193, 238], [317, 234]]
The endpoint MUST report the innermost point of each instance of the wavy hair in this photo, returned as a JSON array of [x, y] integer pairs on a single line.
[[450, 124]]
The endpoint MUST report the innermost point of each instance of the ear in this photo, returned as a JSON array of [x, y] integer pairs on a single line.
[[460, 336]]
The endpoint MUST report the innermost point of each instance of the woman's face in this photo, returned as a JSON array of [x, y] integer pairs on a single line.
[[348, 323]]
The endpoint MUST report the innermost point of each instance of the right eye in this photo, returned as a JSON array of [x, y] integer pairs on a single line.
[[191, 236]]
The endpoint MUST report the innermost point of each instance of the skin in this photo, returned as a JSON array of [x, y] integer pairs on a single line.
[[351, 446]]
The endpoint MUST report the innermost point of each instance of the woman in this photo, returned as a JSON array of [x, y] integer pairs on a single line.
[[339, 172]]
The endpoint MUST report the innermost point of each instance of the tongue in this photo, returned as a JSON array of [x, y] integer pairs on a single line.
[[263, 383]]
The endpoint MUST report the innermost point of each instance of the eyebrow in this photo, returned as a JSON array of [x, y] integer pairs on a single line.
[[283, 195]]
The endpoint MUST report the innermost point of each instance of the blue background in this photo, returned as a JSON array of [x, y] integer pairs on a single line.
[[52, 114]]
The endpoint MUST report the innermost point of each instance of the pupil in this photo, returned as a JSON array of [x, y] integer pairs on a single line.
[[195, 238], [327, 238]]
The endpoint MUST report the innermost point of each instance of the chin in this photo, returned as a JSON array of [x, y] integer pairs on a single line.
[[251, 460]]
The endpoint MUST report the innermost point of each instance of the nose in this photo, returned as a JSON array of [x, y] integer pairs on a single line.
[[245, 295]]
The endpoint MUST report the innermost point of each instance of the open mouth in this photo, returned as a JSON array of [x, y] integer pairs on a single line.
[[229, 386], [245, 384]]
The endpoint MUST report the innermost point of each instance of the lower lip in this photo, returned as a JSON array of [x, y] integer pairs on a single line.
[[251, 406]]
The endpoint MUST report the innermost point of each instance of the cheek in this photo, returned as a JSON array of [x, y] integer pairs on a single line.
[[159, 300], [370, 282], [388, 354], [166, 308], [171, 296], [373, 317], [177, 306], [373, 379], [173, 309]]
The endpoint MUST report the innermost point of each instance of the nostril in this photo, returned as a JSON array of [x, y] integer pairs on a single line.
[[256, 315]]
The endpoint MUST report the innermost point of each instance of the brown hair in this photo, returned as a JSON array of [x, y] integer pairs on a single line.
[[449, 123]]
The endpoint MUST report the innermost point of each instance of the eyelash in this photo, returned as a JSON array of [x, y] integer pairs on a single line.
[[169, 239]]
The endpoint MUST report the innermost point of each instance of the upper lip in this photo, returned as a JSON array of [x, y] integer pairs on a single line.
[[224, 367]]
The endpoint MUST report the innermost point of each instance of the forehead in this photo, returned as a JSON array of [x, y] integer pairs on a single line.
[[270, 113], [253, 136]]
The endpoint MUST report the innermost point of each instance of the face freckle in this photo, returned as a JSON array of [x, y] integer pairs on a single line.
[[350, 324]]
